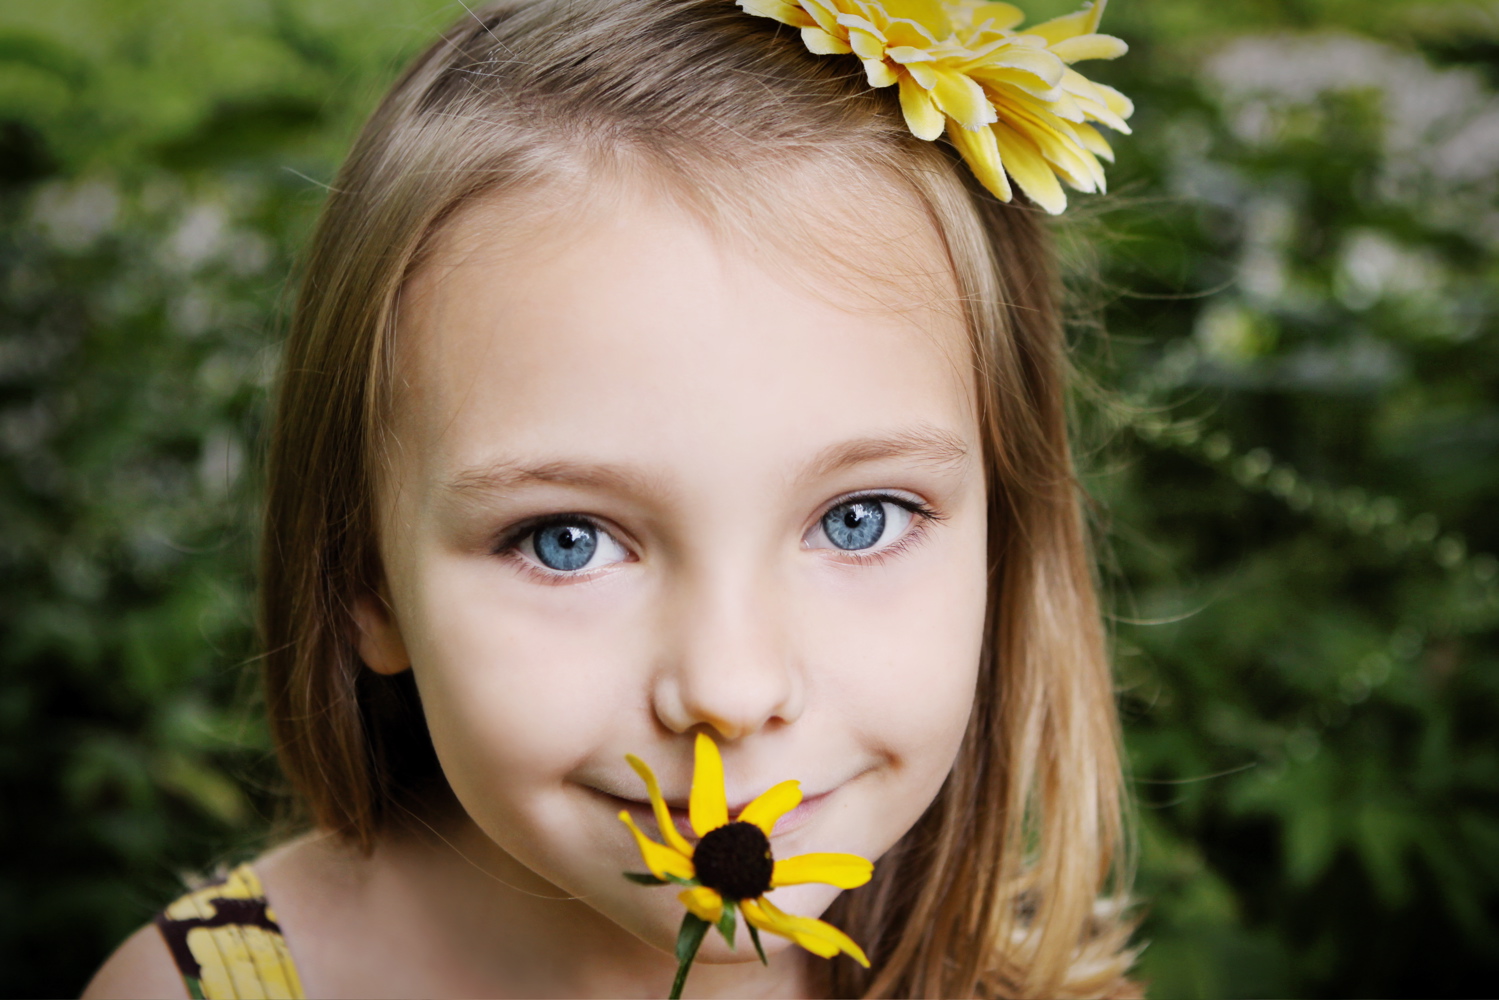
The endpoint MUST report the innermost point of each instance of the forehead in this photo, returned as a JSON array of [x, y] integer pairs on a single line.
[[626, 326]]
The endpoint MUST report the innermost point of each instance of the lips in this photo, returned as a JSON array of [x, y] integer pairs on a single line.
[[642, 814]]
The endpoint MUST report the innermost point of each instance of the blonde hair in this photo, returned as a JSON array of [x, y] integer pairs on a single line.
[[1003, 888]]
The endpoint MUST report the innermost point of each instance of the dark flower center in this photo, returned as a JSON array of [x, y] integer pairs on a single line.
[[735, 859]]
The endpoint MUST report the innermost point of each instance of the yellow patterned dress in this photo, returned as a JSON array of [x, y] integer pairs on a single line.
[[227, 944]]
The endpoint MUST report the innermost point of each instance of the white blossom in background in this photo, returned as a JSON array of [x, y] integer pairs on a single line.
[[73, 216], [1441, 125]]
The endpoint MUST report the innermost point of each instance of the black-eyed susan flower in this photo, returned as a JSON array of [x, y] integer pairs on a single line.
[[1007, 97], [732, 868]]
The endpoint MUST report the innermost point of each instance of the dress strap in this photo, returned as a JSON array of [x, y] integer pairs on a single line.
[[227, 944]]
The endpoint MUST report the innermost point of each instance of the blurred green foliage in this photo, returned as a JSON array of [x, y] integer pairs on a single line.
[[1295, 456]]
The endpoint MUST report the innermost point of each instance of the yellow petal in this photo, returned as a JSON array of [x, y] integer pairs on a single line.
[[866, 39], [1001, 83], [1117, 102], [981, 153], [879, 73], [846, 871], [1040, 63], [1082, 47], [658, 805], [908, 34], [924, 74], [962, 100], [1059, 29], [1098, 102], [771, 804], [1003, 15], [1030, 170], [660, 859], [814, 935], [922, 116], [708, 808], [930, 14], [780, 10], [1094, 141], [819, 42], [905, 54], [703, 901], [824, 13], [1058, 143]]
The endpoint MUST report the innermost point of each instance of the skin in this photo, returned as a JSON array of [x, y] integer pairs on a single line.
[[705, 401]]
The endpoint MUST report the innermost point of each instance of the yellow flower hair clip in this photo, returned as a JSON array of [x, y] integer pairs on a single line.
[[1016, 107]]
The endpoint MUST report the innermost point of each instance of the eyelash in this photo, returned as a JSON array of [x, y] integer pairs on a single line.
[[509, 544]]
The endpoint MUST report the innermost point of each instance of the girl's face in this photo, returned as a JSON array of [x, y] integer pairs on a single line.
[[646, 482]]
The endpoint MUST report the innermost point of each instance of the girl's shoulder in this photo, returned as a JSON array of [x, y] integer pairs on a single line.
[[140, 967], [226, 937], [218, 940]]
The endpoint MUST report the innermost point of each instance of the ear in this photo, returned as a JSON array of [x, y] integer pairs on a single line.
[[378, 637]]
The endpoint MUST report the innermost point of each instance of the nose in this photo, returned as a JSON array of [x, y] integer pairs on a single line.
[[727, 659]]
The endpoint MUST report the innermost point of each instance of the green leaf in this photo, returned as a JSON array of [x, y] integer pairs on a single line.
[[679, 880], [727, 921], [689, 940], [644, 878], [755, 937]]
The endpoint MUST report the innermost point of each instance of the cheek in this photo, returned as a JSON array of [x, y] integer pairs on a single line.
[[516, 692], [902, 654], [907, 644]]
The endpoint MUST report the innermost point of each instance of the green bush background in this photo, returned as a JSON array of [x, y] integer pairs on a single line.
[[1295, 448]]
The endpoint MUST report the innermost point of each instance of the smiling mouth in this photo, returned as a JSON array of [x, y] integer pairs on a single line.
[[642, 813]]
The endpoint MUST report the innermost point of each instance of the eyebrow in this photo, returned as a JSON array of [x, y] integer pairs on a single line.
[[925, 445]]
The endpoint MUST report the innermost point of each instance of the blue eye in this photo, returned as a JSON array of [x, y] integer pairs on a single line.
[[565, 547], [559, 547], [857, 524]]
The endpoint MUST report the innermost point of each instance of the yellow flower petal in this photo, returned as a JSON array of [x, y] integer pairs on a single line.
[[1094, 142], [1059, 29], [930, 14], [1082, 47], [1030, 170], [821, 43], [824, 13], [658, 805], [1065, 108], [971, 61], [879, 73], [660, 859], [708, 808], [704, 902], [1003, 15], [846, 871], [1003, 79], [922, 116], [924, 74], [1117, 102], [780, 10], [904, 54], [962, 100], [773, 803], [866, 39], [981, 153], [816, 936], [1058, 143], [1040, 63], [908, 34]]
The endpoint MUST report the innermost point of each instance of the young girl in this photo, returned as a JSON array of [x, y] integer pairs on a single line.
[[657, 372]]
